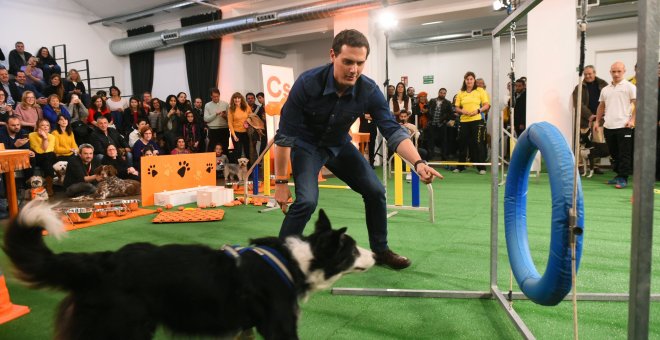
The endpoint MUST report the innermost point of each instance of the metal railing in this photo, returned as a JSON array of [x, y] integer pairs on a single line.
[[84, 72]]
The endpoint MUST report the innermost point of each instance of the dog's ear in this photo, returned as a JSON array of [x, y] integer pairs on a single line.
[[112, 172], [322, 223], [98, 170]]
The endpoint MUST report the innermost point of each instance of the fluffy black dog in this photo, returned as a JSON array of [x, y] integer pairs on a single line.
[[189, 289]]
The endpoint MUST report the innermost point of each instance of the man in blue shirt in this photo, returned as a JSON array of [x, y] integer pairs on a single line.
[[322, 105]]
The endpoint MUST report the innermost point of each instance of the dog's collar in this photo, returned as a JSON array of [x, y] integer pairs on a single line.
[[270, 255]]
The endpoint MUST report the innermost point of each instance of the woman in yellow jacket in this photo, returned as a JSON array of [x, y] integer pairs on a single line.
[[65, 142], [237, 116], [470, 103], [43, 145]]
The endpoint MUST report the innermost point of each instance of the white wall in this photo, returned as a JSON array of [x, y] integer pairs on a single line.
[[299, 56], [55, 22], [170, 75]]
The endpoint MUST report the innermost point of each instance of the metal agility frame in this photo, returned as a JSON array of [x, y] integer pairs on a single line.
[[639, 295]]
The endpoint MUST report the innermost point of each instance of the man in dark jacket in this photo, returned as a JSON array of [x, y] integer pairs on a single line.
[[18, 57], [520, 107], [591, 87], [80, 178], [104, 136], [440, 113]]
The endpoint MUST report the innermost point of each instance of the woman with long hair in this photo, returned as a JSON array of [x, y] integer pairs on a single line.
[[173, 121], [97, 109], [75, 85], [182, 102], [157, 115], [55, 87], [47, 63], [131, 115], [53, 109], [42, 143], [65, 142], [237, 116], [471, 101], [5, 109], [28, 111], [193, 132], [400, 101]]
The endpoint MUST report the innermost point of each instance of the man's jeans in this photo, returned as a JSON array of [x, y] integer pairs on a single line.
[[352, 168]]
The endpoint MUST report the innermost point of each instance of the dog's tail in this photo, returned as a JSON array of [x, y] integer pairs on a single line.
[[34, 262]]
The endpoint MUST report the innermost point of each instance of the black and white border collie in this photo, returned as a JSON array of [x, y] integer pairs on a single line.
[[188, 289]]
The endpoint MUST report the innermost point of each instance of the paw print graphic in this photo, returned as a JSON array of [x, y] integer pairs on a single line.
[[209, 167], [152, 171], [184, 167]]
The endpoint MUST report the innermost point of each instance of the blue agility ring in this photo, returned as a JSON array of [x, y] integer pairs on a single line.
[[555, 283]]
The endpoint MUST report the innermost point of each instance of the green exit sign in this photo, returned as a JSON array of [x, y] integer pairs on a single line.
[[428, 79]]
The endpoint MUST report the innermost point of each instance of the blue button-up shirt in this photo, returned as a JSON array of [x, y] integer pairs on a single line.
[[315, 116]]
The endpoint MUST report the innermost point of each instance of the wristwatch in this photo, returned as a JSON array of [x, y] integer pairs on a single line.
[[419, 161]]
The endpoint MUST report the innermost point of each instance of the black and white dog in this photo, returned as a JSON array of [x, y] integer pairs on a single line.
[[189, 289]]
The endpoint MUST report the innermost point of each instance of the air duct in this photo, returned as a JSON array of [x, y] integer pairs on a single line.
[[214, 30], [252, 48], [485, 33]]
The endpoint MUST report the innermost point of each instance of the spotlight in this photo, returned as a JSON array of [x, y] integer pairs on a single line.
[[387, 21], [499, 5]]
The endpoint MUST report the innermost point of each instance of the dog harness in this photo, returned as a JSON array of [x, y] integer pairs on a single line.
[[270, 255]]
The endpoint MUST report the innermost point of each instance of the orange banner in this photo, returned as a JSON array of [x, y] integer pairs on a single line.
[[174, 172]]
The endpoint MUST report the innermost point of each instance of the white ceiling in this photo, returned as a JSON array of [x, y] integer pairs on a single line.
[[456, 16]]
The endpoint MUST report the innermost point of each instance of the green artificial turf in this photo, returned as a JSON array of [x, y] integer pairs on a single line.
[[451, 254]]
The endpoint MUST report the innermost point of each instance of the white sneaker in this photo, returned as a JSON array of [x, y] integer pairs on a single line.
[[456, 171], [482, 172], [408, 177]]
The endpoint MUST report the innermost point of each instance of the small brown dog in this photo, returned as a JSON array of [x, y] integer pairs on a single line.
[[37, 189], [237, 171], [110, 185]]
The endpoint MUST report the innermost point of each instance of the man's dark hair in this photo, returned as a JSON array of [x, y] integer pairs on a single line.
[[250, 94], [11, 116], [521, 81], [215, 90], [442, 88], [260, 94], [352, 38]]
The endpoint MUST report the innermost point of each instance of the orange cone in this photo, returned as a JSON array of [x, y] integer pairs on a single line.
[[9, 311], [321, 179]]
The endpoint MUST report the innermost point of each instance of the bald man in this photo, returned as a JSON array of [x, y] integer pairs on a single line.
[[617, 106]]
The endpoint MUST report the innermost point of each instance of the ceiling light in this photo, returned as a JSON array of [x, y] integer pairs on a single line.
[[432, 23], [387, 21], [498, 5]]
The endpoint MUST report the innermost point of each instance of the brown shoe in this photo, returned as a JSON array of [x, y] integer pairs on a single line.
[[392, 260]]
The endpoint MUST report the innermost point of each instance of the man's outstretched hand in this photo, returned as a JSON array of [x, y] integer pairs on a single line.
[[427, 173]]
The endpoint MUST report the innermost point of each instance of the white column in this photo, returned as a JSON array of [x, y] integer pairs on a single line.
[[552, 59]]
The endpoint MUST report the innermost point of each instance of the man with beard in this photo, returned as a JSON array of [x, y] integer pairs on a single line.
[[440, 113]]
